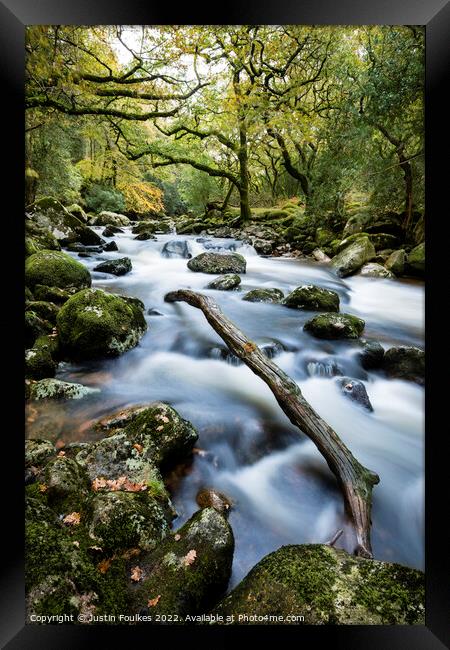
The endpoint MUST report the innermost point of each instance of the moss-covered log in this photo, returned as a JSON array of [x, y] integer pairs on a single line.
[[356, 481]]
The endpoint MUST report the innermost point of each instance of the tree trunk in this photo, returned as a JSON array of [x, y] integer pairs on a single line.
[[228, 196], [243, 174], [407, 173], [356, 481]]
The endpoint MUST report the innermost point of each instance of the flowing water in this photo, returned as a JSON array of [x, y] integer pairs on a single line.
[[281, 488]]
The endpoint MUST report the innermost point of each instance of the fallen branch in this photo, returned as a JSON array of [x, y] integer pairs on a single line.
[[356, 481]]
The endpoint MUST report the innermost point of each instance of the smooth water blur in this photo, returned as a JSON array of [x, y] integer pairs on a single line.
[[282, 489]]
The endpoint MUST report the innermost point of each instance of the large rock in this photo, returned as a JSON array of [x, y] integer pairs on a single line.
[[374, 270], [356, 224], [262, 246], [371, 356], [386, 223], [56, 389], [35, 326], [38, 451], [383, 240], [78, 211], [312, 298], [106, 218], [38, 238], [327, 586], [176, 248], [120, 266], [335, 326], [39, 363], [405, 363], [53, 294], [355, 390], [217, 263], [94, 324], [55, 269], [353, 257], [416, 260], [226, 282], [50, 215], [271, 295], [44, 309], [188, 571], [396, 262]]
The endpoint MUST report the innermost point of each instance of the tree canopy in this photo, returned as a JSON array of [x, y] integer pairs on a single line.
[[166, 118]]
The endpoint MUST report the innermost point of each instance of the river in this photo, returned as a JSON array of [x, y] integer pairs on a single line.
[[281, 488]]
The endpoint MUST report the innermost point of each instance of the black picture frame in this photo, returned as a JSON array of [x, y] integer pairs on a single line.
[[14, 16]]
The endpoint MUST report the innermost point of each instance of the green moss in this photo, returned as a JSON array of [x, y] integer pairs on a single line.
[[312, 298], [218, 263], [264, 295], [55, 269], [35, 326], [39, 363], [335, 326], [94, 324], [46, 310]]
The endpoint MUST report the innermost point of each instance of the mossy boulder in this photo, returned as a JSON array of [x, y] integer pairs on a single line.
[[374, 270], [405, 362], [324, 236], [163, 432], [263, 246], [218, 263], [55, 269], [353, 257], [328, 587], [38, 451], [211, 498], [94, 324], [383, 240], [35, 326], [312, 298], [53, 294], [335, 326], [371, 356], [38, 238], [56, 389], [39, 363], [120, 266], [227, 282], [356, 223], [300, 231], [120, 520], [386, 223], [416, 260], [50, 215], [46, 310], [396, 262], [106, 218], [119, 419], [78, 211], [344, 243], [65, 479], [270, 295], [189, 570]]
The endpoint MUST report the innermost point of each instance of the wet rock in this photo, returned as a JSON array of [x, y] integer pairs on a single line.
[[55, 269], [35, 326], [110, 231], [161, 430], [121, 520], [119, 419], [210, 498], [120, 266], [93, 324], [262, 246], [374, 270], [76, 247], [107, 218], [323, 368], [176, 248], [271, 295], [226, 282], [53, 294], [111, 246], [356, 224], [320, 256], [405, 363], [217, 263], [56, 389], [189, 570], [38, 451], [312, 298], [386, 223], [335, 326], [396, 262], [416, 260], [144, 236], [78, 211], [50, 216], [328, 586], [355, 390], [353, 257], [154, 312], [65, 479], [44, 309], [383, 240], [372, 355], [39, 364]]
